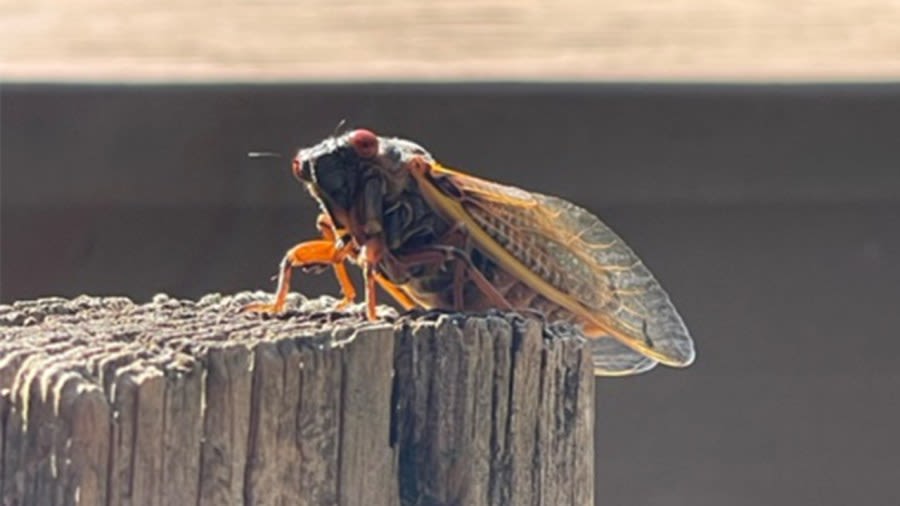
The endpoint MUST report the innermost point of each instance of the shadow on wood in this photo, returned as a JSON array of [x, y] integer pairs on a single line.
[[179, 402]]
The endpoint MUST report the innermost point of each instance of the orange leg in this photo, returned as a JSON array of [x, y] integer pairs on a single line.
[[323, 251], [327, 228], [395, 292], [369, 277], [307, 254], [369, 256], [340, 272], [341, 252]]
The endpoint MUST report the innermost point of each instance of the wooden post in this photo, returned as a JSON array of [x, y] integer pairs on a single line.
[[103, 401]]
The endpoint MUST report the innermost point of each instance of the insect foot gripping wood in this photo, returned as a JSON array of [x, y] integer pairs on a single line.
[[104, 401], [437, 238]]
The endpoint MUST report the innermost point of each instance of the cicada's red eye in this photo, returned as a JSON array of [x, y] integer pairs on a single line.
[[365, 143]]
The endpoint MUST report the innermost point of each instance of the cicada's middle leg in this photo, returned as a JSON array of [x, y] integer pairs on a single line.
[[326, 251]]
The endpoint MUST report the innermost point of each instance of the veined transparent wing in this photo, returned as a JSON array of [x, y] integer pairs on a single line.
[[612, 358], [584, 265]]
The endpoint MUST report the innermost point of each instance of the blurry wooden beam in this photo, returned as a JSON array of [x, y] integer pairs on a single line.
[[468, 39]]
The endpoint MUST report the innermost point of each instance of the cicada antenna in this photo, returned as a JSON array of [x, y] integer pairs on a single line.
[[341, 124], [264, 154]]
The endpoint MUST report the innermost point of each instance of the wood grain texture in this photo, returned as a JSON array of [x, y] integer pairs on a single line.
[[103, 401], [464, 39]]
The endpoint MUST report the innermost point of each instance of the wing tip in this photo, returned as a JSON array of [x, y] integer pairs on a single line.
[[682, 356]]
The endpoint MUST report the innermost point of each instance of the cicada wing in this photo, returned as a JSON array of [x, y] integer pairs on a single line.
[[580, 263], [633, 307], [612, 358]]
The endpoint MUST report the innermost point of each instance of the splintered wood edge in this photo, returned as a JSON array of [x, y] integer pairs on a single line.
[[176, 402]]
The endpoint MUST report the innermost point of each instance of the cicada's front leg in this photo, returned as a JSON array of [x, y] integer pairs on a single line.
[[326, 251], [368, 258], [343, 251]]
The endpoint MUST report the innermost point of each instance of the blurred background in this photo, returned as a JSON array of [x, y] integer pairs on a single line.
[[748, 151]]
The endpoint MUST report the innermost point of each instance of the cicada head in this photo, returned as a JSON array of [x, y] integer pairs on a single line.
[[336, 168]]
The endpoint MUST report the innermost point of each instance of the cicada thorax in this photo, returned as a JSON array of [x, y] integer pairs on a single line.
[[409, 227]]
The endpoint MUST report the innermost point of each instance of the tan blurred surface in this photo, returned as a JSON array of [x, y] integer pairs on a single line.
[[486, 39]]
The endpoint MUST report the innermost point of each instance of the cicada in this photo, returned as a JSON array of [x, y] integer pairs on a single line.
[[436, 238]]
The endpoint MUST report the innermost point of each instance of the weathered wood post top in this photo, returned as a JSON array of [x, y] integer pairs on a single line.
[[107, 402]]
